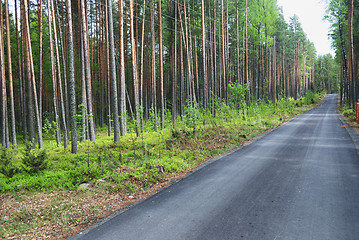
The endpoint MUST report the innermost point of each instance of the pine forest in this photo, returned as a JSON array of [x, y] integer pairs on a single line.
[[81, 65], [126, 97]]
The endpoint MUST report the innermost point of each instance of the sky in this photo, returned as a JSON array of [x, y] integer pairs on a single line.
[[311, 14]]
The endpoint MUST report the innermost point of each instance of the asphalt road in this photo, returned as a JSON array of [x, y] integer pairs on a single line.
[[300, 181]]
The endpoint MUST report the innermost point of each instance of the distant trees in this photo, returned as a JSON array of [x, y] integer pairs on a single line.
[[135, 61], [341, 13]]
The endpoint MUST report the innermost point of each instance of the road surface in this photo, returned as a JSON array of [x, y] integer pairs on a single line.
[[300, 181]]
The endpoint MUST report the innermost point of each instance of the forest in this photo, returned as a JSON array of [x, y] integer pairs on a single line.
[[125, 97], [343, 18], [75, 66]]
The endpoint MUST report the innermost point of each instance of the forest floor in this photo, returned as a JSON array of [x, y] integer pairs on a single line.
[[58, 214]]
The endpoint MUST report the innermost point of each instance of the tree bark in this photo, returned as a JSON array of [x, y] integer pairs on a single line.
[[63, 113], [12, 104], [205, 79], [351, 54], [123, 126], [134, 69], [72, 81], [161, 64], [153, 66], [53, 75], [87, 71], [113, 75], [31, 67]]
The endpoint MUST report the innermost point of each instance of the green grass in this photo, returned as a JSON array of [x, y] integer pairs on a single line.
[[117, 170], [130, 164]]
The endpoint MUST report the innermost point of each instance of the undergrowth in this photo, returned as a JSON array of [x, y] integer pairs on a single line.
[[137, 162], [134, 165]]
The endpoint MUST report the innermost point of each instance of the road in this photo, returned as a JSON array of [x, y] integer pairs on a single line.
[[300, 181]]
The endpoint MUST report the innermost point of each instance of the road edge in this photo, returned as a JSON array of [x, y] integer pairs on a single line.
[[352, 132], [195, 169]]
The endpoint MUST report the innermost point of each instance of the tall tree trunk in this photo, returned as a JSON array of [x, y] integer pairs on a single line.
[[5, 137], [142, 61], [40, 57], [161, 63], [83, 95], [246, 80], [31, 68], [113, 74], [205, 79], [65, 71], [134, 69], [123, 126], [153, 66], [351, 54], [174, 83], [30, 99], [63, 113], [53, 74], [107, 67], [223, 57], [182, 87], [274, 79], [238, 57], [20, 76], [72, 81], [12, 104], [87, 71]]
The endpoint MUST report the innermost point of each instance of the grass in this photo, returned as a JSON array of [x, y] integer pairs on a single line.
[[48, 203]]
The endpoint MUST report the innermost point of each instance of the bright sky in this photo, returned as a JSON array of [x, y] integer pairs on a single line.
[[311, 14]]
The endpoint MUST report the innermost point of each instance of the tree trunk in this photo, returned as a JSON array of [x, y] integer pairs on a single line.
[[12, 104], [161, 63], [87, 71], [53, 74], [134, 69], [246, 80], [63, 113], [351, 55], [30, 99], [142, 61], [123, 126], [40, 57], [21, 79], [3, 83], [113, 74], [153, 68], [32, 74], [72, 81], [174, 83], [205, 79], [65, 72]]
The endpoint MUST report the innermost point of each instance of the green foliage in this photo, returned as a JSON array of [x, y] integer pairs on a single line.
[[237, 96], [7, 166], [49, 128], [34, 160], [131, 163], [348, 112], [191, 114]]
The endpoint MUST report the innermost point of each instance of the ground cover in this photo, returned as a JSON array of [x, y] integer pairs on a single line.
[[54, 194]]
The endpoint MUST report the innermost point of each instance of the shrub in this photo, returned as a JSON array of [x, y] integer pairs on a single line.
[[7, 166], [34, 160], [237, 96], [192, 114]]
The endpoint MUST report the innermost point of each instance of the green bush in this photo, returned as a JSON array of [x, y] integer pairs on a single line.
[[237, 96], [34, 160], [348, 112], [7, 166], [192, 114]]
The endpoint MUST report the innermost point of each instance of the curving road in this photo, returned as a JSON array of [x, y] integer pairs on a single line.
[[300, 181]]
